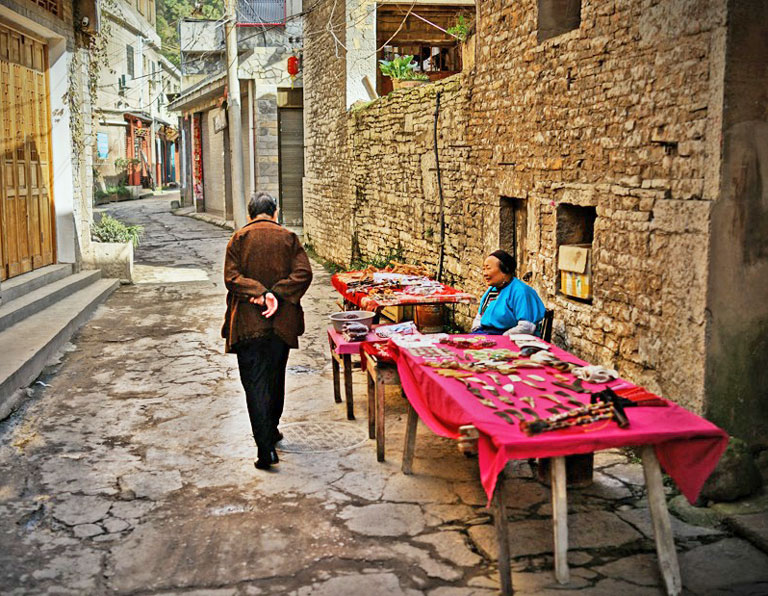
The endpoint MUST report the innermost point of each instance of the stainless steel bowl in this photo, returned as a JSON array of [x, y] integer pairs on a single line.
[[338, 319]]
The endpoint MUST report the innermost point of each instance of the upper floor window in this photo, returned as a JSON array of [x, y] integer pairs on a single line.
[[52, 6], [557, 17], [260, 12], [129, 60]]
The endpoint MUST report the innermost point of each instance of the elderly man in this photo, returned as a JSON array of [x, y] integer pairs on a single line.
[[266, 272]]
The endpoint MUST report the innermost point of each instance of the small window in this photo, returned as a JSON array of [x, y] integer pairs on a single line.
[[513, 226], [575, 233], [557, 17], [129, 60]]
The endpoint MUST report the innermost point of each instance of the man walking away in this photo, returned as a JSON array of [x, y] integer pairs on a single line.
[[266, 272]]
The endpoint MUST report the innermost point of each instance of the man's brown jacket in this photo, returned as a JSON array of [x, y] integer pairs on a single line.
[[262, 257]]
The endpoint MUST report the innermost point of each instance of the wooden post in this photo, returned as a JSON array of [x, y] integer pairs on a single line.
[[662, 528], [380, 389], [502, 536], [410, 440], [347, 359], [336, 376], [369, 374], [560, 519]]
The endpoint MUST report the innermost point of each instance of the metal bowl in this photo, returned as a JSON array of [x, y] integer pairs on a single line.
[[365, 317]]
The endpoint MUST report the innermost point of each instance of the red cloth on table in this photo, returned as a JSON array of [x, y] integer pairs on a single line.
[[381, 351], [361, 299], [349, 347], [688, 447]]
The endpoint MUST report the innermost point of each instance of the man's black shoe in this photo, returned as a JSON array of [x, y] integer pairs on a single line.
[[273, 457], [262, 464]]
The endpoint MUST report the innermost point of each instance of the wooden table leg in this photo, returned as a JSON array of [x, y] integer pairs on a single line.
[[379, 409], [502, 536], [410, 440], [370, 374], [347, 359], [560, 519], [336, 379], [662, 528]]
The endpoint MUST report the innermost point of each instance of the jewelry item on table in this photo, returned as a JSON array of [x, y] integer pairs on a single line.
[[575, 386], [551, 398], [515, 413], [529, 400], [532, 384], [505, 400], [561, 378], [489, 404], [595, 374], [577, 417], [537, 378], [469, 343], [530, 412], [505, 417], [509, 388], [495, 379]]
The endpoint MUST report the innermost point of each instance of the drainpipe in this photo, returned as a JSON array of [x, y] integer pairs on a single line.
[[440, 192], [252, 135]]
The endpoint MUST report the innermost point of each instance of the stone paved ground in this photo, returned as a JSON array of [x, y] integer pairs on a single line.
[[131, 471]]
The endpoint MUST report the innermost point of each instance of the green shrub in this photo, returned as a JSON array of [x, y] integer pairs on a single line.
[[402, 68], [110, 229], [460, 29]]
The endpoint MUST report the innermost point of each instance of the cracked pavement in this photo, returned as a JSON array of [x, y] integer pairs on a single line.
[[130, 471]]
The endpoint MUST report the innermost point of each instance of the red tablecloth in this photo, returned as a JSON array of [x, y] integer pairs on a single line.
[[446, 294], [688, 447], [349, 347]]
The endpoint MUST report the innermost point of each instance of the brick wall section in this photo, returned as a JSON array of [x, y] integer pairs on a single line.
[[622, 114]]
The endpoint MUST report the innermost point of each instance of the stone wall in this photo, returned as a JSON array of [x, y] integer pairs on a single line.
[[620, 117]]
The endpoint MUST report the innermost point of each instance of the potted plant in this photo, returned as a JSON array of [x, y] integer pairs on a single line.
[[402, 71]]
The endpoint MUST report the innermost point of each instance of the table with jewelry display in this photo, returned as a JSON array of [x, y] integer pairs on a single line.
[[399, 285], [530, 399]]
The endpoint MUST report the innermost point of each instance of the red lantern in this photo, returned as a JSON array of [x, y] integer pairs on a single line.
[[293, 68]]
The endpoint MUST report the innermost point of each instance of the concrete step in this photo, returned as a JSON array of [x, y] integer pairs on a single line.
[[27, 346], [28, 282], [28, 304]]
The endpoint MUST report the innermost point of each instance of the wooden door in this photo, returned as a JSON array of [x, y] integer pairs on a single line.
[[26, 201], [291, 127]]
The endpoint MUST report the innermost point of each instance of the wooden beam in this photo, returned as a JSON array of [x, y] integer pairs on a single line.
[[560, 519]]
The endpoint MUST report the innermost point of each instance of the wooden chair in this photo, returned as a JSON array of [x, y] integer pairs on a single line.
[[544, 328]]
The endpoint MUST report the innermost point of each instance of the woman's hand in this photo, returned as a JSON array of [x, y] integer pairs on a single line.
[[476, 323], [522, 327]]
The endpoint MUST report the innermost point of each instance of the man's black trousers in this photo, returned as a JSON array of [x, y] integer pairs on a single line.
[[262, 371]]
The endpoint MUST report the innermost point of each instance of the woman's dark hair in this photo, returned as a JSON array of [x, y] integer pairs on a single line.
[[262, 202], [506, 261]]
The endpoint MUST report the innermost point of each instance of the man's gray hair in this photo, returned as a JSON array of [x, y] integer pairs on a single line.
[[261, 203]]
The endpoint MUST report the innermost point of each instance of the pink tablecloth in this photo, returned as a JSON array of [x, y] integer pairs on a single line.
[[688, 447], [349, 347]]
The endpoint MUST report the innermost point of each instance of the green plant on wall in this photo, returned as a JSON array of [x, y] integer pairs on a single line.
[[460, 30], [109, 229], [402, 68]]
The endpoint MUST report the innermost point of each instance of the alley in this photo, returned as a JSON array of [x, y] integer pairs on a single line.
[[130, 471]]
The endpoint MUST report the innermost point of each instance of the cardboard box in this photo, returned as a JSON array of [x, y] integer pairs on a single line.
[[575, 264], [397, 314]]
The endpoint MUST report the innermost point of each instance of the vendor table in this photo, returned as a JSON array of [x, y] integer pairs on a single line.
[[687, 446], [341, 356], [375, 302]]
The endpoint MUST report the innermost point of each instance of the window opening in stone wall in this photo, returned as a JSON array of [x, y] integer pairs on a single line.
[[557, 17], [575, 234], [436, 53], [513, 226], [51, 6]]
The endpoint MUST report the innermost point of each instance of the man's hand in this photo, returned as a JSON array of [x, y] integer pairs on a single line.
[[271, 301], [267, 299]]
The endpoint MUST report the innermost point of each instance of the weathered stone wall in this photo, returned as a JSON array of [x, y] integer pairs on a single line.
[[621, 115]]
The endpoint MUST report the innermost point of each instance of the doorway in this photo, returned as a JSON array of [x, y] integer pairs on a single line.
[[291, 159], [513, 227], [26, 203]]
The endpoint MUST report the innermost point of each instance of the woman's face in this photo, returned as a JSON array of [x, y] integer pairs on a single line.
[[492, 274]]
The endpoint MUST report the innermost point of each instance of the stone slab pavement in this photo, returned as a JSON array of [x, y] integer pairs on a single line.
[[130, 471]]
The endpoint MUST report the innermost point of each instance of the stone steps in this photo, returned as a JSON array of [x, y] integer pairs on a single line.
[[24, 284], [35, 325]]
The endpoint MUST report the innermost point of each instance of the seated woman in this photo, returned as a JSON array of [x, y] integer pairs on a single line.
[[509, 305]]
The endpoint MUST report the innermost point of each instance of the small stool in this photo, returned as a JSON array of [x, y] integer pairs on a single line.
[[380, 373]]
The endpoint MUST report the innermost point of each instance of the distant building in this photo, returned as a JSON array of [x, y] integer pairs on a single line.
[[137, 136], [269, 37]]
